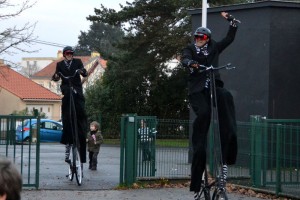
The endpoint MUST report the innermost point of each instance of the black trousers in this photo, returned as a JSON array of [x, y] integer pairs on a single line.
[[93, 158], [146, 150], [67, 135], [200, 103]]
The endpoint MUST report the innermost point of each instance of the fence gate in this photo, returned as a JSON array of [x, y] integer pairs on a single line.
[[24, 154], [137, 156]]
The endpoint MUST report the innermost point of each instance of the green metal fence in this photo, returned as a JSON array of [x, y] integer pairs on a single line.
[[25, 155], [277, 155], [268, 155]]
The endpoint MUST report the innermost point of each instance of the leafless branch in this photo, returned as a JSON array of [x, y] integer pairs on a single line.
[[20, 8], [11, 38]]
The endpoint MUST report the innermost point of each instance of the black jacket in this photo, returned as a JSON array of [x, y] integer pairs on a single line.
[[62, 67], [197, 80]]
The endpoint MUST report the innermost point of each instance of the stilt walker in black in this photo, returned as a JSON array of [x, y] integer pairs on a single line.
[[205, 51]]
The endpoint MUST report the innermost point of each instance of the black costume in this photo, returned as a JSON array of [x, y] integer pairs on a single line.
[[68, 68], [199, 97]]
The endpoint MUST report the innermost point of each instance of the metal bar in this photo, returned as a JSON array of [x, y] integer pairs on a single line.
[[122, 145], [37, 181], [278, 157]]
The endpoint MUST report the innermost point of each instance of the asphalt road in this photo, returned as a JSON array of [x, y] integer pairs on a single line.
[[137, 194], [100, 184], [53, 170]]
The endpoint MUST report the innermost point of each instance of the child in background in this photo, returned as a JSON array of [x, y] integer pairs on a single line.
[[94, 139]]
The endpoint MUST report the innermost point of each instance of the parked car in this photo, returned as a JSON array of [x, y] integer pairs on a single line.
[[50, 130]]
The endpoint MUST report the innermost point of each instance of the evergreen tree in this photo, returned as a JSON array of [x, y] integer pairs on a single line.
[[137, 79], [101, 38]]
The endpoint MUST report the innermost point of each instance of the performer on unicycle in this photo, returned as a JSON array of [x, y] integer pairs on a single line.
[[205, 51]]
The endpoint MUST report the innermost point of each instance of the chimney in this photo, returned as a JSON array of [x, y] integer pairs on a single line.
[[59, 54], [95, 54]]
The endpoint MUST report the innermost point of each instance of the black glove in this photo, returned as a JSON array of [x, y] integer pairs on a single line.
[[83, 71], [55, 77], [192, 62], [233, 21], [230, 17]]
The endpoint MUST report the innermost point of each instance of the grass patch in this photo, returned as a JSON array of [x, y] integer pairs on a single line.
[[172, 142], [159, 142]]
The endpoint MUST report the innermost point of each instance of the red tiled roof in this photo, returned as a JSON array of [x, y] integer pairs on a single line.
[[23, 87], [49, 70]]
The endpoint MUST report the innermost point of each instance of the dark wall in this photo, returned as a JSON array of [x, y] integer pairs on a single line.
[[264, 45], [284, 89]]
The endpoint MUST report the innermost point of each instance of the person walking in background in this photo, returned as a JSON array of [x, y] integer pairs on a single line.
[[68, 67], [146, 137], [10, 181], [205, 51], [94, 140]]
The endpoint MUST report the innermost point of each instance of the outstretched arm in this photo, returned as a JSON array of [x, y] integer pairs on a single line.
[[225, 42], [233, 21]]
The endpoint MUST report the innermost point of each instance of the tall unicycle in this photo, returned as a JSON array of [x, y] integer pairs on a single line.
[[75, 168]]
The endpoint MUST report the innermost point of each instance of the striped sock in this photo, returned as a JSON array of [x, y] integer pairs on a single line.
[[224, 172], [196, 195], [67, 151]]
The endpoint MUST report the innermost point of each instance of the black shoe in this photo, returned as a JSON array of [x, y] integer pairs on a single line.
[[67, 160], [94, 168]]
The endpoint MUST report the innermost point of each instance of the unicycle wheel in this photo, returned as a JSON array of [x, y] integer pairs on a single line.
[[219, 195], [78, 169]]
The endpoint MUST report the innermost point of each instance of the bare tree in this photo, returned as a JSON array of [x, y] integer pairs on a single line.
[[12, 37]]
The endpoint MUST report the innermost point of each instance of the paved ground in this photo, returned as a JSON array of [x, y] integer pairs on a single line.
[[98, 184], [53, 170], [138, 194]]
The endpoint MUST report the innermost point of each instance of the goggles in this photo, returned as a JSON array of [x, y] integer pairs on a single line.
[[69, 53], [201, 37]]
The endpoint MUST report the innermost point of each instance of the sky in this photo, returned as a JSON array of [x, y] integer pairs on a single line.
[[58, 21]]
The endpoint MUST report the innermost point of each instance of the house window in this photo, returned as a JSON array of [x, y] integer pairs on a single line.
[[41, 109], [48, 109]]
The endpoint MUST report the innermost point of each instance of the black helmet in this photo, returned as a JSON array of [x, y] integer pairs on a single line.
[[202, 31], [68, 49]]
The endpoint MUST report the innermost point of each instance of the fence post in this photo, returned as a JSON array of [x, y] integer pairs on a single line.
[[12, 130], [256, 149], [279, 144], [122, 144], [38, 139], [128, 150]]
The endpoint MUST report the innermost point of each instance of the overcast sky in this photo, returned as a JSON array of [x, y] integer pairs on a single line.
[[58, 21]]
